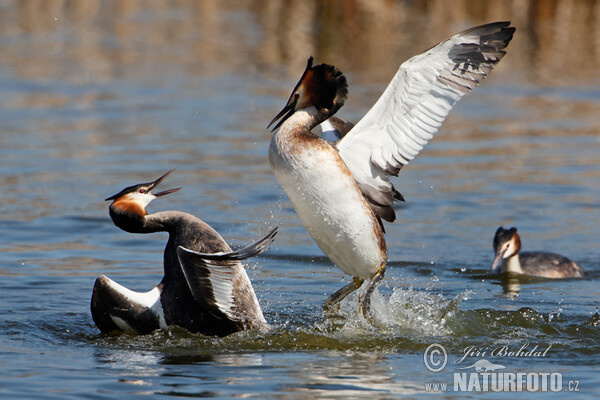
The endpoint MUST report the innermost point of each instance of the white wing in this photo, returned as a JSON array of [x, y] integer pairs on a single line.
[[414, 105]]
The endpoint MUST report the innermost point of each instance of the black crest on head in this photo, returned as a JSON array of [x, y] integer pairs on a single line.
[[325, 86], [332, 86], [322, 86], [127, 190], [503, 235]]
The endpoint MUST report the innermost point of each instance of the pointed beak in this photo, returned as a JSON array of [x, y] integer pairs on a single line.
[[498, 259], [167, 192], [148, 186], [290, 108], [159, 180], [113, 197]]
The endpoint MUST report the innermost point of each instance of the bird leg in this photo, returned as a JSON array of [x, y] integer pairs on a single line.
[[364, 299], [343, 293]]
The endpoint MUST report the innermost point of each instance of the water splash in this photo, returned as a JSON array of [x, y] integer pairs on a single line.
[[407, 319], [405, 312]]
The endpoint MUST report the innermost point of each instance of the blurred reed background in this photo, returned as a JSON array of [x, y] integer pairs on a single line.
[[558, 42]]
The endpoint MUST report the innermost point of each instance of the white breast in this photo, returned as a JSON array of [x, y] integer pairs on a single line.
[[329, 203], [150, 300]]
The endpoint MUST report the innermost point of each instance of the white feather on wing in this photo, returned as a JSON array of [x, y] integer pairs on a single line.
[[414, 105], [211, 277]]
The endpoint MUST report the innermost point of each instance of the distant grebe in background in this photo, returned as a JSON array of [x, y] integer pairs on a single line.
[[507, 245]]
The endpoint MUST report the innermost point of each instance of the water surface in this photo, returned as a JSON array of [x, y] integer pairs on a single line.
[[97, 96]]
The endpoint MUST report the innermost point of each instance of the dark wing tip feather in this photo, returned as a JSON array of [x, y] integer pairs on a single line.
[[493, 38], [473, 61], [397, 195], [237, 255], [491, 28]]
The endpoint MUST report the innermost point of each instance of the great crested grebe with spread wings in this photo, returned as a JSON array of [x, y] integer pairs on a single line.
[[342, 190]]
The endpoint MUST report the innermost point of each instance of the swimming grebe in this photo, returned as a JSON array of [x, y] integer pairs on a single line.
[[342, 190], [205, 287], [507, 245]]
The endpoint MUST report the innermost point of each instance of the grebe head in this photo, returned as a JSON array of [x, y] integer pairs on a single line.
[[134, 199], [507, 243], [322, 86]]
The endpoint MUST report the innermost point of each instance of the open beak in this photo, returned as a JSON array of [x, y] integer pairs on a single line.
[[166, 192], [498, 259], [159, 180], [148, 187], [289, 109]]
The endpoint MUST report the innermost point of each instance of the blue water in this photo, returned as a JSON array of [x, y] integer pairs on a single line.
[[99, 96]]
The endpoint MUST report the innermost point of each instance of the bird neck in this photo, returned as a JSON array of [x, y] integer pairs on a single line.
[[134, 221], [304, 120], [184, 230], [512, 264]]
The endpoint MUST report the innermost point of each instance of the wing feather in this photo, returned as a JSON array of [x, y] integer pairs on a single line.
[[212, 277], [413, 107]]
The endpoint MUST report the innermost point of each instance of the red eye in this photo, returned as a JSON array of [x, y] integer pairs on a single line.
[[142, 190]]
